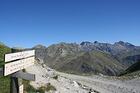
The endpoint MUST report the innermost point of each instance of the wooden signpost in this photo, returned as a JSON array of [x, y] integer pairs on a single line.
[[21, 89], [15, 62]]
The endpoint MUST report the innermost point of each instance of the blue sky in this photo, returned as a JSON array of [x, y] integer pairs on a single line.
[[25, 23]]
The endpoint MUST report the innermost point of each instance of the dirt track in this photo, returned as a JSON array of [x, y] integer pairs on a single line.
[[69, 83], [106, 85]]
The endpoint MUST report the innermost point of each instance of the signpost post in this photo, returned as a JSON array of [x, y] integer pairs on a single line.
[[15, 62]]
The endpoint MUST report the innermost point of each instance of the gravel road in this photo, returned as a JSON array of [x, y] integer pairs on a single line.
[[69, 83], [106, 84]]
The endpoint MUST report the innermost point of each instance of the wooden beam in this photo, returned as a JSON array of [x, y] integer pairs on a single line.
[[21, 89], [14, 85], [24, 75], [1, 72]]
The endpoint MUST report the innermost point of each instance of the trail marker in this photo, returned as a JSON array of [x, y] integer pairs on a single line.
[[14, 63]]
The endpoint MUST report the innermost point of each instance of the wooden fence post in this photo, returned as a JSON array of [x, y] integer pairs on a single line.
[[14, 85]]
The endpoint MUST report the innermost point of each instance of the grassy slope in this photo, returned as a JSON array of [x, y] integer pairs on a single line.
[[92, 62], [3, 50], [4, 81], [132, 70]]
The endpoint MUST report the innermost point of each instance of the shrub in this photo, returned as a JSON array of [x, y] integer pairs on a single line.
[[55, 77], [50, 87]]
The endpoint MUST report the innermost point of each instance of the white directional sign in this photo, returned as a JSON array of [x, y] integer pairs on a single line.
[[19, 55], [15, 66], [21, 89], [15, 63]]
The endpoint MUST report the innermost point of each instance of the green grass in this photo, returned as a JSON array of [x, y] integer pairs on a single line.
[[4, 85], [4, 81], [3, 50]]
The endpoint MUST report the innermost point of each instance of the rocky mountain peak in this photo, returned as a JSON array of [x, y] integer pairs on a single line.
[[120, 42], [96, 42], [40, 46], [125, 44], [86, 43]]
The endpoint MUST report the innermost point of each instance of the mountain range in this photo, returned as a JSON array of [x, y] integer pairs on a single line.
[[89, 57], [86, 58]]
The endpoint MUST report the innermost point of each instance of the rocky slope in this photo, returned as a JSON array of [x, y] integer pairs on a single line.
[[52, 82], [93, 62], [89, 58], [69, 83]]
